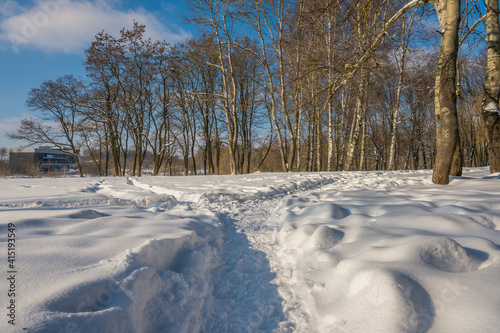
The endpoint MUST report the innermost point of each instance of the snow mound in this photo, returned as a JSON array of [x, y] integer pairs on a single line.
[[393, 301], [165, 201], [325, 237], [151, 287], [309, 236], [86, 214], [312, 212], [389, 260], [447, 255]]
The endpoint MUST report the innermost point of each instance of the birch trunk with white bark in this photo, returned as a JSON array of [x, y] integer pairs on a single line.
[[491, 114], [447, 134]]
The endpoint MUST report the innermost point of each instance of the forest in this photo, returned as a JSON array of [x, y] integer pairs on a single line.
[[286, 85]]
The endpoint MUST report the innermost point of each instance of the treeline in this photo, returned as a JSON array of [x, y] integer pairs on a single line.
[[268, 85]]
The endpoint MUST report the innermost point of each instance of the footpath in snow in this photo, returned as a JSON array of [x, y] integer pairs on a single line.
[[298, 252]]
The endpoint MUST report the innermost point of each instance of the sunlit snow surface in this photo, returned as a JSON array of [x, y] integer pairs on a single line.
[[297, 252]]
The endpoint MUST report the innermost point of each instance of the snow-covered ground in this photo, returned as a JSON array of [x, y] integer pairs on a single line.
[[297, 252]]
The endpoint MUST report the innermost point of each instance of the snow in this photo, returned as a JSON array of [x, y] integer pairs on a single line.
[[265, 252], [491, 107]]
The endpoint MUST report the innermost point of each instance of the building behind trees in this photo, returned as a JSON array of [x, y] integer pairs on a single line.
[[44, 159]]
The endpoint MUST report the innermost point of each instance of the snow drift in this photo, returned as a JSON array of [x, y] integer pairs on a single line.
[[297, 252]]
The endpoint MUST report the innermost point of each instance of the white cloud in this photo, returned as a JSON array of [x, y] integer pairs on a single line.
[[12, 123], [9, 8], [70, 26]]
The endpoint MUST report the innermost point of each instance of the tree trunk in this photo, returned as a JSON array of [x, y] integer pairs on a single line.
[[318, 140], [186, 163], [106, 164], [357, 121], [330, 137], [456, 165], [193, 157], [309, 145], [491, 114], [395, 116], [363, 142], [299, 132], [447, 135], [78, 165], [342, 137], [330, 102]]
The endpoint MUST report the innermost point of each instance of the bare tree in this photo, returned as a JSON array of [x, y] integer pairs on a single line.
[[93, 136], [218, 17], [61, 117], [162, 138], [104, 66], [139, 89], [406, 29]]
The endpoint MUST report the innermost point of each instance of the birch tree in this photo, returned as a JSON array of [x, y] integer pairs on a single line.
[[491, 113], [406, 27], [217, 16], [445, 98]]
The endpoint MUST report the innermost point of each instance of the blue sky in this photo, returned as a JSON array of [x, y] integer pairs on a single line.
[[43, 39]]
